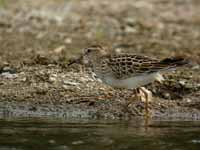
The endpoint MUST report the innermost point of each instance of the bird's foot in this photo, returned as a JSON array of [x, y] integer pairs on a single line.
[[145, 96], [142, 94]]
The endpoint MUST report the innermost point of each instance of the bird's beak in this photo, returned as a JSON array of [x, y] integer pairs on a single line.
[[76, 60], [80, 60]]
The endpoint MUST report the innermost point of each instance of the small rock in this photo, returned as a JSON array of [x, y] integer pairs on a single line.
[[166, 95], [129, 29], [23, 79], [52, 79], [196, 67], [66, 87], [77, 142], [59, 49], [68, 40], [62, 147], [52, 141], [8, 69], [195, 141], [188, 100], [130, 21], [8, 75], [182, 82], [70, 83]]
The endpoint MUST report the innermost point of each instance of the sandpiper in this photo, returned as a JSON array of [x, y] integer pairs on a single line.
[[129, 71]]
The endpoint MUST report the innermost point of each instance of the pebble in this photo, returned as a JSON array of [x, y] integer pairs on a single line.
[[62, 147], [9, 69], [130, 21], [65, 87], [59, 49], [8, 75], [77, 142], [188, 100], [195, 141], [52, 79], [130, 30], [52, 141], [70, 83], [68, 40], [182, 82], [196, 67], [23, 79], [166, 95]]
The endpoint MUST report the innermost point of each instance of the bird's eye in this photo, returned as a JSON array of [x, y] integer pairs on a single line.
[[88, 50]]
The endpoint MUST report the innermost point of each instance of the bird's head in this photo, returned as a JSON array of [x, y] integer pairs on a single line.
[[93, 53], [90, 54]]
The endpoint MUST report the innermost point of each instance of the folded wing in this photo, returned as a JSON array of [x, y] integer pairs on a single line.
[[128, 65]]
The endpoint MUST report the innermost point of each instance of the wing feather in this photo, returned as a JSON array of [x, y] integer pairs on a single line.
[[129, 65]]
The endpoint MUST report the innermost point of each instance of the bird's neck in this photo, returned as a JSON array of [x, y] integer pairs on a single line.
[[100, 65]]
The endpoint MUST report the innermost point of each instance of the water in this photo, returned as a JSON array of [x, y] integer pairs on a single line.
[[45, 134]]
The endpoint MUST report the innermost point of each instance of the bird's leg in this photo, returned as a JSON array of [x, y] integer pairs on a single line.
[[139, 95], [147, 93], [146, 96]]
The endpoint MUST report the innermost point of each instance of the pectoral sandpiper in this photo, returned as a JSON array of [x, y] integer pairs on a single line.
[[129, 71]]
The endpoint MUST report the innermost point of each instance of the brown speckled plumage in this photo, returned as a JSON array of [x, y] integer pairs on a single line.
[[120, 67], [126, 65]]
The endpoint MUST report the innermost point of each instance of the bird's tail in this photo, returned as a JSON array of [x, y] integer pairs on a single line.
[[174, 62], [168, 64]]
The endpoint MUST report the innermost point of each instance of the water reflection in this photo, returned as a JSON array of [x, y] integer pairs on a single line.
[[99, 135]]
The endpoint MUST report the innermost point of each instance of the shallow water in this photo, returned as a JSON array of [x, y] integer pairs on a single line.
[[18, 134]]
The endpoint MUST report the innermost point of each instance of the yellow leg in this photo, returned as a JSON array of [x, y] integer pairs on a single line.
[[139, 95], [147, 96]]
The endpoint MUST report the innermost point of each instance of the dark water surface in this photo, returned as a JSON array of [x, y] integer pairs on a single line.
[[44, 134]]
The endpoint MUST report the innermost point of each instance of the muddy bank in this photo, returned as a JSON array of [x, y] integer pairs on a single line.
[[55, 91], [37, 40]]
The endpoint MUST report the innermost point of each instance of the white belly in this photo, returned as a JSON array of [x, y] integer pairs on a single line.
[[132, 82]]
